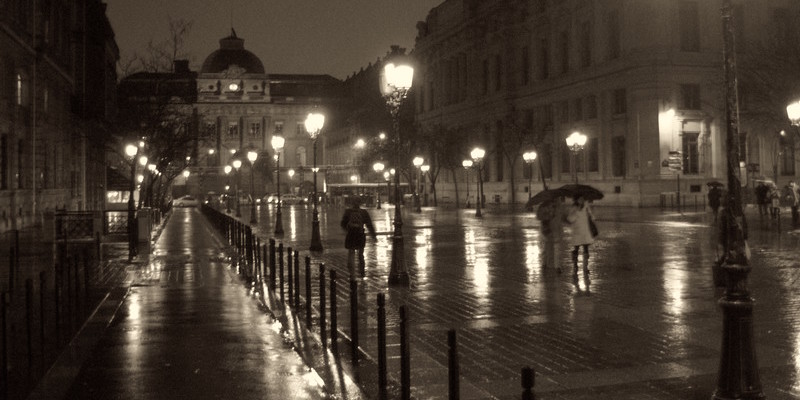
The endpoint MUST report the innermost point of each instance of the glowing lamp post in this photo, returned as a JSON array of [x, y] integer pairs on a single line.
[[252, 156], [314, 123], [236, 165], [793, 111], [529, 157], [131, 151], [395, 81], [575, 143], [417, 161], [424, 168], [467, 164], [227, 170], [477, 155], [277, 145], [378, 168]]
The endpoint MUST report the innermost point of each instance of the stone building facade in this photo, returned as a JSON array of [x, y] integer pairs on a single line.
[[57, 91], [642, 79]]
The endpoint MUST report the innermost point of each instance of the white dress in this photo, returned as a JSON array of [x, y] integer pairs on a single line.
[[579, 220]]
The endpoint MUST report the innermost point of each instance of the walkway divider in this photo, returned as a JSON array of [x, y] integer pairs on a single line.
[[322, 304], [334, 327], [290, 273], [453, 370], [382, 381], [354, 320]]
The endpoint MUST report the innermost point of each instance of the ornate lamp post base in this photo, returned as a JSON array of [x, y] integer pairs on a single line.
[[278, 221], [398, 276], [316, 241]]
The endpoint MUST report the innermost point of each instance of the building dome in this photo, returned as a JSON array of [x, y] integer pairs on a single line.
[[232, 52]]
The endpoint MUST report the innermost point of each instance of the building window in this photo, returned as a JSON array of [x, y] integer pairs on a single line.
[[591, 107], [255, 129], [300, 128], [690, 97], [578, 110], [689, 26], [620, 101], [691, 153], [233, 129], [586, 44], [498, 72], [526, 66], [614, 37], [301, 156], [787, 155], [592, 155], [278, 127], [563, 112], [563, 48], [547, 116], [618, 155], [544, 59]]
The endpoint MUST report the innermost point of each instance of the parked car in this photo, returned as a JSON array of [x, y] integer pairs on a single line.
[[271, 198], [291, 199], [185, 201]]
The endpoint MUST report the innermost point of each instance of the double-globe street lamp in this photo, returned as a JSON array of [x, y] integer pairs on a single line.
[[378, 168], [477, 155], [277, 145], [417, 161], [314, 123], [395, 82], [252, 156], [575, 143], [529, 157], [237, 163]]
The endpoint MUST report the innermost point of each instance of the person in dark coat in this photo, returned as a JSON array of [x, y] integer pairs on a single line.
[[715, 200], [353, 222]]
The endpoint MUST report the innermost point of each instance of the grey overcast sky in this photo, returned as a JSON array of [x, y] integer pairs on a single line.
[[335, 37]]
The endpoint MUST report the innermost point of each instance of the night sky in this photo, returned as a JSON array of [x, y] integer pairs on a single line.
[[335, 37]]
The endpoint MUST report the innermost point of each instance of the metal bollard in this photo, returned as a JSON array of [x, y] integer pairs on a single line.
[[322, 304], [528, 381], [452, 365], [296, 279], [405, 357], [280, 270], [308, 292], [29, 323], [290, 275], [334, 325], [264, 261], [382, 378], [272, 264], [354, 320], [4, 365], [257, 267]]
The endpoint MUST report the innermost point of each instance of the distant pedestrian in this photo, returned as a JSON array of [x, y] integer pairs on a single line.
[[792, 199], [762, 192], [353, 222], [715, 200], [775, 202], [579, 217], [551, 213]]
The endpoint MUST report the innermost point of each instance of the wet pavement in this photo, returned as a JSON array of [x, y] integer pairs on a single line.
[[644, 324]]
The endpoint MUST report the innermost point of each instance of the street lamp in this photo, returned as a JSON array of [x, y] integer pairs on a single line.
[[395, 81], [227, 170], [529, 157], [467, 164], [477, 156], [424, 168], [277, 146], [314, 123], [237, 163], [131, 151], [417, 161], [387, 177], [252, 156], [378, 167], [575, 142], [793, 111]]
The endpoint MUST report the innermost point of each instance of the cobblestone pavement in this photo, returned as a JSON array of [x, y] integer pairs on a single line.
[[644, 324]]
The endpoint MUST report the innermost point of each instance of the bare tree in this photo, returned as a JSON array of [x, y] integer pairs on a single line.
[[159, 56]]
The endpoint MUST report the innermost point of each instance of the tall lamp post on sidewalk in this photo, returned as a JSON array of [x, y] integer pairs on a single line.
[[477, 155], [529, 157], [252, 156], [424, 168], [417, 161], [132, 151], [575, 142], [277, 146], [395, 82], [738, 369], [227, 170], [314, 123], [237, 163], [378, 168], [467, 164]]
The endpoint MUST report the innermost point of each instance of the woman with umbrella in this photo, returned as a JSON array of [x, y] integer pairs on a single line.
[[579, 217]]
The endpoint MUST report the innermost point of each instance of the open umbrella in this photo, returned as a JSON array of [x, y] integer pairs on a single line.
[[590, 193], [715, 183], [545, 196]]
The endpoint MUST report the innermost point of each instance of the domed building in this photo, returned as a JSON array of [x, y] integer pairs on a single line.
[[241, 107]]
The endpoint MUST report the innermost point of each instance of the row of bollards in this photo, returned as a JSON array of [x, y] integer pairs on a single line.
[[283, 280]]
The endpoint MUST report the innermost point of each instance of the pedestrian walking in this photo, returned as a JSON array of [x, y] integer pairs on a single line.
[[353, 222], [551, 213], [581, 219], [775, 202], [715, 200], [792, 199], [762, 192]]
